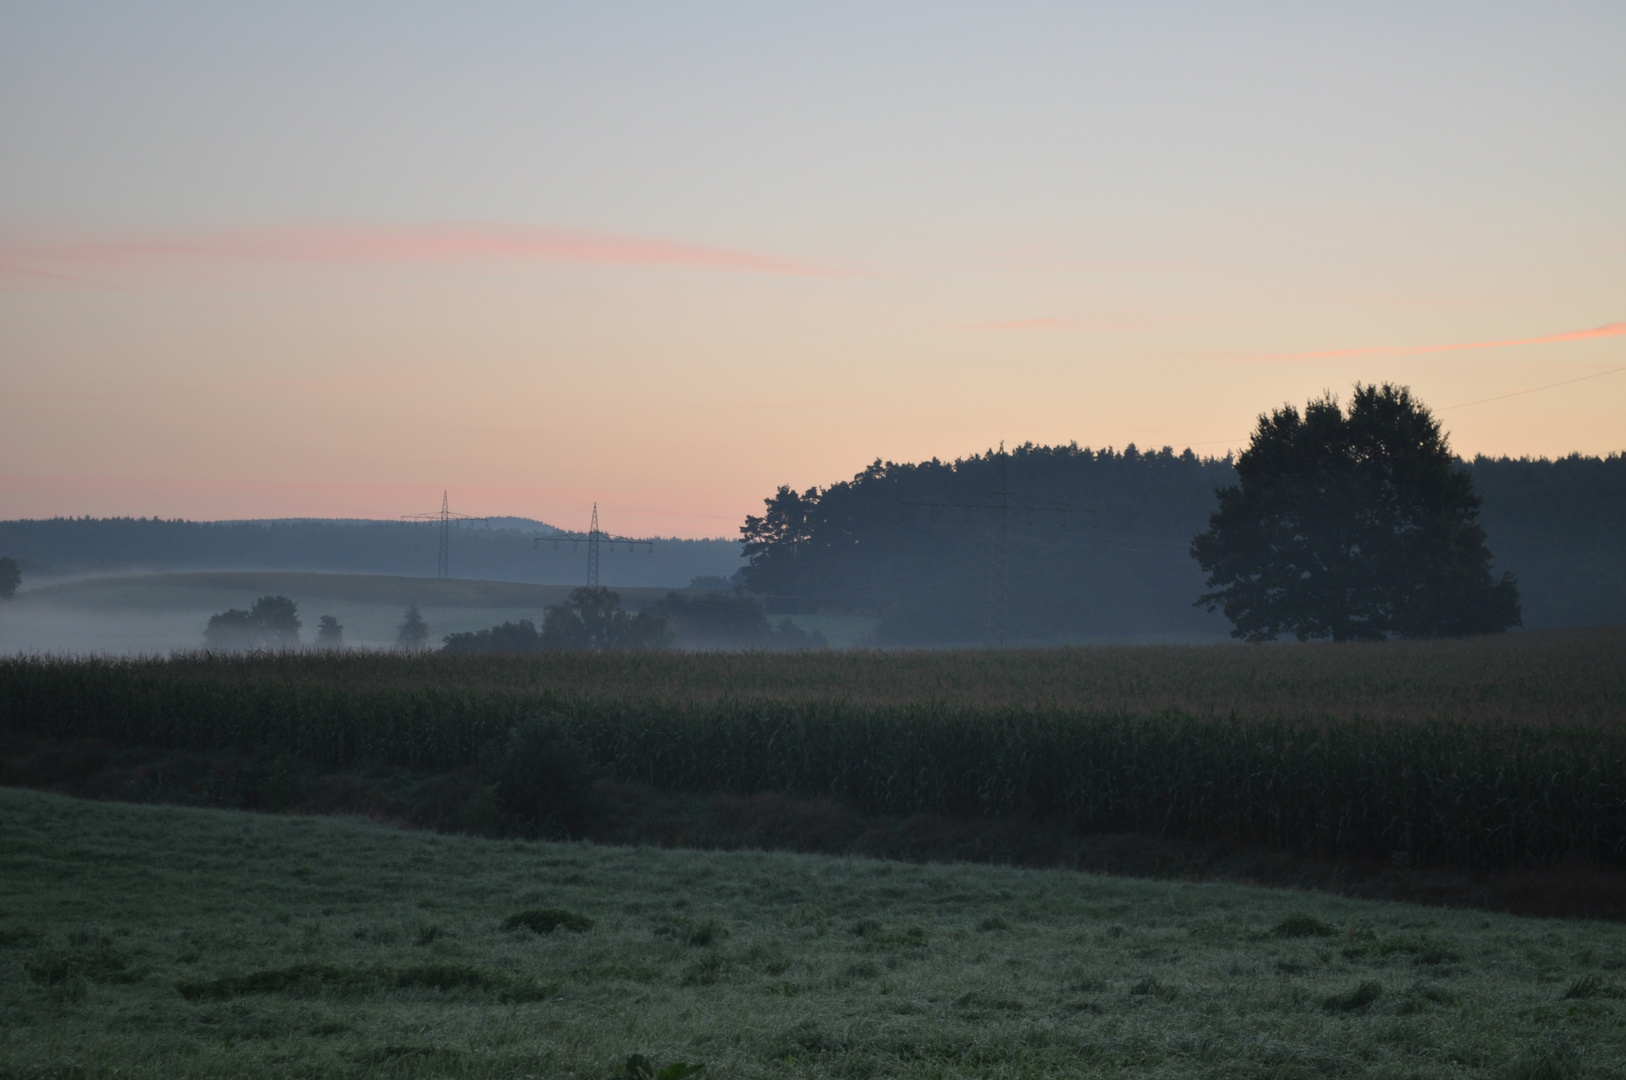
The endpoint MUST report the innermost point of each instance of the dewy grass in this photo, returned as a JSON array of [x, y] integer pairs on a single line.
[[544, 920], [1487, 752], [216, 943]]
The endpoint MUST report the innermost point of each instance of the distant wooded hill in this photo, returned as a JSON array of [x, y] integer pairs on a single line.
[[501, 552], [1096, 543]]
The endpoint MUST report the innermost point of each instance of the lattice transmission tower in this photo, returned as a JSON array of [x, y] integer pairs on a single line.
[[593, 537], [443, 565]]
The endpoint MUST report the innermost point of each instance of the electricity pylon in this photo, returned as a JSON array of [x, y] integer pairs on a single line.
[[593, 537], [1001, 501], [443, 566]]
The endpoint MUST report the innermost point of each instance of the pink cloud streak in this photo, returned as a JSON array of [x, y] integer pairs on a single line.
[[1610, 330], [403, 244]]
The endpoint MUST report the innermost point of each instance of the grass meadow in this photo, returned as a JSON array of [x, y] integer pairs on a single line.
[[159, 941]]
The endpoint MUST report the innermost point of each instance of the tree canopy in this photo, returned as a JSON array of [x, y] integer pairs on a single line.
[[1094, 540], [272, 623], [1354, 524], [10, 577], [329, 633], [592, 620], [413, 631]]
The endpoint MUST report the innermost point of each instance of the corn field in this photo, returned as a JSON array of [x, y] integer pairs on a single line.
[[1489, 753]]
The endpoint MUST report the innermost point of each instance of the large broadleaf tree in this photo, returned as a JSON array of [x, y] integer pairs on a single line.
[[1354, 524]]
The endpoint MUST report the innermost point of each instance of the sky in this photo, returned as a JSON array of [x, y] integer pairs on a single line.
[[332, 260]]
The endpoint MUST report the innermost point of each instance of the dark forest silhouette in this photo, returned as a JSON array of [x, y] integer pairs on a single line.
[[891, 542]]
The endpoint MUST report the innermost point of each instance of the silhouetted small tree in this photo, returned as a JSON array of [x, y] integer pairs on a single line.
[[413, 631], [1356, 525], [329, 634], [10, 577]]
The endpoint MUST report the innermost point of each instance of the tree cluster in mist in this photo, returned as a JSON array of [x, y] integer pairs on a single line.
[[1096, 543]]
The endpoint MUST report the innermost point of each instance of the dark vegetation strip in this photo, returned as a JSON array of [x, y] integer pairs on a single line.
[[1442, 788], [327, 979]]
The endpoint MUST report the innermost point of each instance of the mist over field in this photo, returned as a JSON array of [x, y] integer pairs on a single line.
[[898, 563]]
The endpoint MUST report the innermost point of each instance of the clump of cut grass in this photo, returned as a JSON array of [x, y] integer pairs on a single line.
[[1591, 986], [1421, 948], [1549, 1058], [706, 971], [546, 920], [704, 934], [975, 999], [1150, 987], [639, 1067], [306, 979], [1355, 999], [314, 980], [87, 955], [879, 941], [1300, 925]]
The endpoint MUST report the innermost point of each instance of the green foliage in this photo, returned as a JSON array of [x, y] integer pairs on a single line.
[[1521, 763], [592, 621], [237, 966], [1353, 526], [543, 779], [10, 577], [545, 920], [272, 623]]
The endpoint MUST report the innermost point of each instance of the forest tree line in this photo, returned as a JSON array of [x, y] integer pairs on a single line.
[[1096, 543]]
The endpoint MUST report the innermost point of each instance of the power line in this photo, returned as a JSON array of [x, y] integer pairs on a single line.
[[1002, 500], [443, 565], [1533, 389], [593, 537]]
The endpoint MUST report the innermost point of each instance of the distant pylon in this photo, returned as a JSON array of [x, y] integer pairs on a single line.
[[592, 538], [443, 563]]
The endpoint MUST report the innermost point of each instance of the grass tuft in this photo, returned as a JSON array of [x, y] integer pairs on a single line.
[[1590, 986], [1300, 925], [546, 920], [1354, 1000]]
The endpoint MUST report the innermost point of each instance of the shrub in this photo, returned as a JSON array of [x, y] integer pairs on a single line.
[[543, 780], [544, 920]]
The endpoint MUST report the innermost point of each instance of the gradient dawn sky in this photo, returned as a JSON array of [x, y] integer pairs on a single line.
[[330, 259]]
